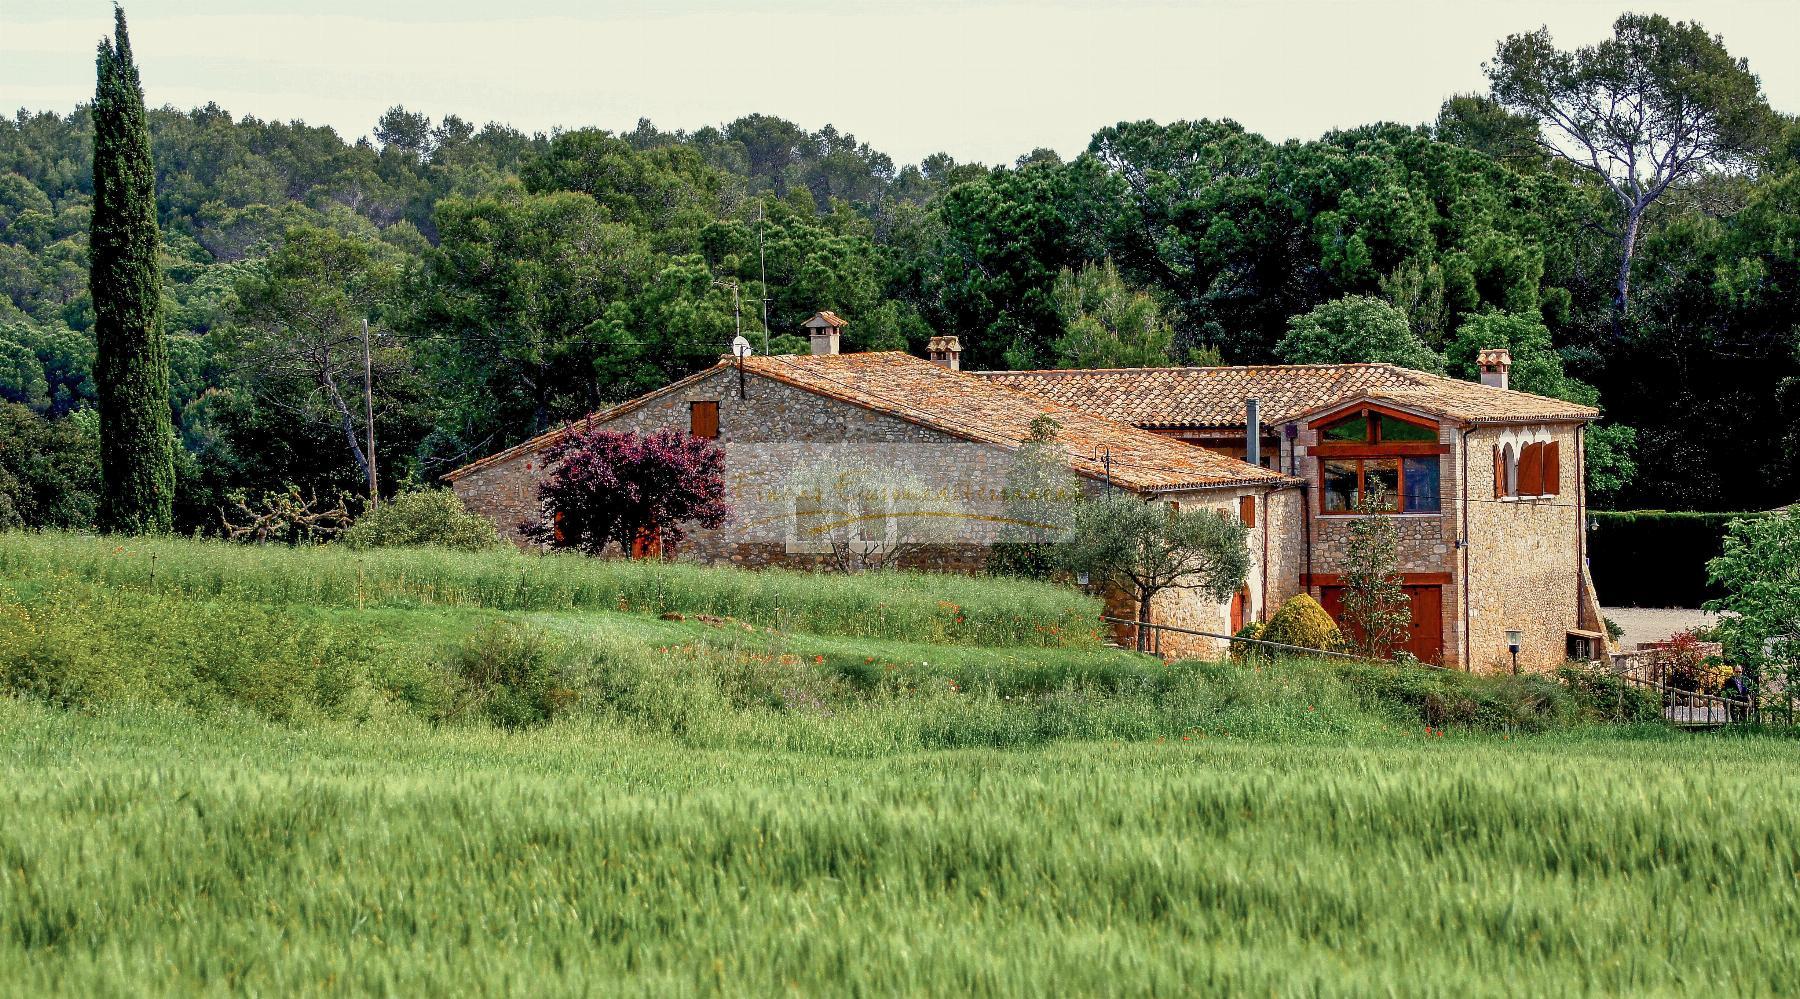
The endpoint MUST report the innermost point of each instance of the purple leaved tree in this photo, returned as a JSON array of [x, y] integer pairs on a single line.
[[605, 487]]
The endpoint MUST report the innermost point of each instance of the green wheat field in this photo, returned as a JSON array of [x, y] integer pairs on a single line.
[[269, 771]]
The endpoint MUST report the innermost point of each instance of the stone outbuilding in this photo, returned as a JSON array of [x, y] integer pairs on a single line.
[[916, 442]]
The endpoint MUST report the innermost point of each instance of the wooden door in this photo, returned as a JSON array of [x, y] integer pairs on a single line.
[[1424, 633]]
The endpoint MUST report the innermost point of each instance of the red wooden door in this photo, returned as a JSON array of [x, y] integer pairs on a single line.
[[1424, 633]]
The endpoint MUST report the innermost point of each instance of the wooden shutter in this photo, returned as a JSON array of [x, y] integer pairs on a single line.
[[703, 419], [1552, 468], [1531, 470], [1499, 471], [1247, 510]]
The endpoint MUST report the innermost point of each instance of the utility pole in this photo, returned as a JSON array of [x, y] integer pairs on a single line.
[[369, 413], [762, 264], [737, 309]]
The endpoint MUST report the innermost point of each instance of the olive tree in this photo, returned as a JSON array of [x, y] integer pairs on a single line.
[[1144, 548]]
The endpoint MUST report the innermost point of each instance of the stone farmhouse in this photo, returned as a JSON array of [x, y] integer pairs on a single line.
[[1486, 486], [1486, 482]]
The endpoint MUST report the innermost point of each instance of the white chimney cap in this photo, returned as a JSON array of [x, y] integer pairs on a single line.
[[740, 347]]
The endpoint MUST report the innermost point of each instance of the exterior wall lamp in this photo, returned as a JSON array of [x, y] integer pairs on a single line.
[[1513, 640]]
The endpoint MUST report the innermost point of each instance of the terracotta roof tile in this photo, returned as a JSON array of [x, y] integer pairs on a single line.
[[1214, 397], [975, 408]]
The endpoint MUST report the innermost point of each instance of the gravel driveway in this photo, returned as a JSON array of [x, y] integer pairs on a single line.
[[1654, 624]]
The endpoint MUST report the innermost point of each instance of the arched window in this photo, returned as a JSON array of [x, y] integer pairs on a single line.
[[1509, 463]]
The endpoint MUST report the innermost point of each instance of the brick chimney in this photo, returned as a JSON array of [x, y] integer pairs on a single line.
[[947, 351], [1495, 365], [823, 328]]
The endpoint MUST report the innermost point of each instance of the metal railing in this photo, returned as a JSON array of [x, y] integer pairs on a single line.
[[1235, 640], [1689, 708], [1683, 708]]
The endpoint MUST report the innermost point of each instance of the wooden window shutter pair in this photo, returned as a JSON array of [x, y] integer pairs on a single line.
[[703, 419], [1540, 470], [1247, 510]]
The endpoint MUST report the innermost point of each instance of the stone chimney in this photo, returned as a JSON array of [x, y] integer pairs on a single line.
[[1495, 365], [823, 329], [947, 351]]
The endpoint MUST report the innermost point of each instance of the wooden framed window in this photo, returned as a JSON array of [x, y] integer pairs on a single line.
[[1350, 429], [1552, 469], [703, 419], [1375, 445], [1247, 510], [1377, 426], [1411, 484], [1419, 489]]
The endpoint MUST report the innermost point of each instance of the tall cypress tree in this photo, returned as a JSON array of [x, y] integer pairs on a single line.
[[131, 362]]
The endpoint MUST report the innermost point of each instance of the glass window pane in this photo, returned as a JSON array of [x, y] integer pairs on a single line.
[[1422, 485], [1400, 430], [1356, 428], [1340, 486], [1383, 475]]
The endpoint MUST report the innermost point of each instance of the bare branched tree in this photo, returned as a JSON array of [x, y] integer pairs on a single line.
[[865, 515], [1657, 103], [302, 318], [289, 517]]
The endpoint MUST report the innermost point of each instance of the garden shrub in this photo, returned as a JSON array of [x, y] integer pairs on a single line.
[[1689, 665], [429, 518], [1302, 622], [513, 675], [1251, 630], [1608, 698]]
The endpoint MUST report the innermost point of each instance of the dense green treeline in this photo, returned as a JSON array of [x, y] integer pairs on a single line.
[[514, 281]]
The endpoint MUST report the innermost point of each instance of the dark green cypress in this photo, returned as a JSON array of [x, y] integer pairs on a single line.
[[131, 362]]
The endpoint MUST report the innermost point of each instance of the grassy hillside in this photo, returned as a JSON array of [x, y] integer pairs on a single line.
[[920, 607], [802, 661]]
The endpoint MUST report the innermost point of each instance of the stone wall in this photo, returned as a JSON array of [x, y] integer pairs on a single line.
[[1525, 556], [771, 435], [1287, 549]]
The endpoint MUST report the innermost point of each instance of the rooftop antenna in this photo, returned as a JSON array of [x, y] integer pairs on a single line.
[[763, 265]]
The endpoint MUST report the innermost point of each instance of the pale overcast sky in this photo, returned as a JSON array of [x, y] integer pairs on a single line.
[[981, 80]]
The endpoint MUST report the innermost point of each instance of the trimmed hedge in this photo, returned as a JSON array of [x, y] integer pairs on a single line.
[[1655, 558]]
